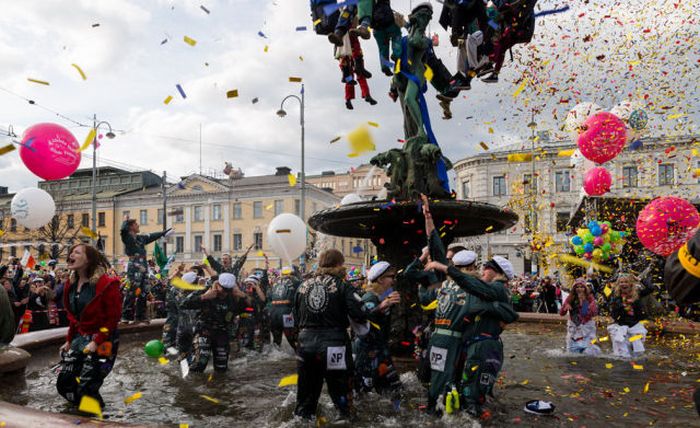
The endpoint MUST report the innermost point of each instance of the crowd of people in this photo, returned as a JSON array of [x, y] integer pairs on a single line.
[[339, 324]]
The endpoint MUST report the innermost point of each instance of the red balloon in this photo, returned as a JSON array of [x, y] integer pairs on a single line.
[[603, 137], [597, 181], [50, 151], [666, 223]]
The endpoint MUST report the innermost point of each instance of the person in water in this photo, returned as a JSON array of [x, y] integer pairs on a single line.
[[580, 328], [93, 305], [627, 332]]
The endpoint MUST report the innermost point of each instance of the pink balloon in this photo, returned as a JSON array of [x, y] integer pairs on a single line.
[[597, 181], [603, 137], [598, 241], [666, 223], [50, 151]]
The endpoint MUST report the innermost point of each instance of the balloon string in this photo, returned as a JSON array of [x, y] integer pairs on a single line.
[[34, 103]]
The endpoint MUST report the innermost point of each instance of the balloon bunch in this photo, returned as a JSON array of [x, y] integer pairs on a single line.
[[600, 137], [354, 273], [598, 242]]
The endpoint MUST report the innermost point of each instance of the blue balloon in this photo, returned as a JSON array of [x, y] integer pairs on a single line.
[[592, 224], [576, 240], [588, 248], [596, 231]]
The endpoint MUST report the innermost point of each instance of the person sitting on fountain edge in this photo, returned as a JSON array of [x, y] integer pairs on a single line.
[[374, 368], [324, 307], [218, 306], [93, 306]]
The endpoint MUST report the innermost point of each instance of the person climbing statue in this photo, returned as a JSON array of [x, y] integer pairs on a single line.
[[352, 66]]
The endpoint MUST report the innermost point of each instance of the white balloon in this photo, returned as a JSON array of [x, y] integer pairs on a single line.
[[287, 236], [32, 207], [350, 198], [578, 115]]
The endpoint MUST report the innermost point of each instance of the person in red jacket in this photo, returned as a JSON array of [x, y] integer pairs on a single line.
[[93, 305]]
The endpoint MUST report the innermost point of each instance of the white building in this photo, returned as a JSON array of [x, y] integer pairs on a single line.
[[662, 166]]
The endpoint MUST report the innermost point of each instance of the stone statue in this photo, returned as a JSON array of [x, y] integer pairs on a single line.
[[413, 170]]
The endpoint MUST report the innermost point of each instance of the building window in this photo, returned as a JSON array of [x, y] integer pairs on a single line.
[[198, 213], [562, 181], [197, 243], [529, 185], [160, 217], [101, 219], [465, 189], [70, 221], [143, 216], [562, 219], [13, 227], [237, 242], [257, 209], [217, 243], [279, 207], [666, 174], [85, 220], [216, 212], [499, 185], [180, 215], [126, 214], [297, 206], [13, 251], [629, 176], [258, 239], [179, 244], [237, 210]]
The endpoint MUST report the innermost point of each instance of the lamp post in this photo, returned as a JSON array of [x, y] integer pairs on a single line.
[[95, 126], [533, 191], [282, 113]]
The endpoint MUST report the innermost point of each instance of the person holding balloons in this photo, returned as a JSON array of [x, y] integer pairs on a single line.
[[627, 333], [93, 306], [134, 306]]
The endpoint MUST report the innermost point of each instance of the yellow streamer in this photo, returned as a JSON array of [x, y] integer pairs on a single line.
[[184, 285], [80, 70], [88, 140]]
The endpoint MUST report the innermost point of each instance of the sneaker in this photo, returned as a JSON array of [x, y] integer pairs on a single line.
[[539, 407], [370, 100], [361, 31], [493, 78], [348, 105], [336, 38], [387, 71]]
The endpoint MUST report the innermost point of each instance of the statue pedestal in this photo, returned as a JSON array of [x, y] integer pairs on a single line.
[[13, 359]]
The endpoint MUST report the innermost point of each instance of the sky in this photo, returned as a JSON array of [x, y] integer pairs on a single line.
[[605, 51]]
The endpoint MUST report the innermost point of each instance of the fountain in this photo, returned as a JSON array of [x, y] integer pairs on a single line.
[[396, 225]]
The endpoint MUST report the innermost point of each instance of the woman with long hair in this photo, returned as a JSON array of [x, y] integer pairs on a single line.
[[93, 305], [627, 333], [580, 328]]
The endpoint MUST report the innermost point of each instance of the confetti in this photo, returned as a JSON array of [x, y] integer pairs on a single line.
[[181, 91], [233, 93], [294, 79], [88, 232], [254, 100], [163, 361], [41, 82], [6, 149], [90, 405], [80, 70], [204, 9], [483, 145], [635, 338], [608, 365], [428, 74], [646, 388], [301, 28], [95, 25], [132, 398], [375, 124], [261, 34], [184, 285], [525, 382], [189, 41], [208, 398], [335, 140], [292, 180], [637, 367], [266, 48], [167, 99], [520, 88], [89, 139]]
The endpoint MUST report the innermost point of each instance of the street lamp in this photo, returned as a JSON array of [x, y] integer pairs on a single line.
[[282, 113], [95, 126]]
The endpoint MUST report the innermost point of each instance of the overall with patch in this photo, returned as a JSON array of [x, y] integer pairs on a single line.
[[281, 300], [323, 306]]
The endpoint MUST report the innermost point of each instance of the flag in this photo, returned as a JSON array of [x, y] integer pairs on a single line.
[[28, 260], [159, 257]]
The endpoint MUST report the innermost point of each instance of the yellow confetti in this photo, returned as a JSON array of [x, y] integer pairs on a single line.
[[635, 338], [565, 153], [167, 99], [490, 130], [205, 261], [353, 155], [2, 232], [626, 389], [104, 330], [488, 229], [573, 363], [316, 22], [163, 361], [646, 388], [260, 253], [82, 74], [233, 93], [269, 207], [375, 325], [289, 380], [608, 365], [603, 339], [428, 73], [184, 285], [295, 79], [525, 382], [6, 149], [88, 140], [519, 157], [132, 398], [695, 152], [397, 66], [208, 398], [301, 58], [520, 88], [90, 405], [88, 232], [184, 425], [189, 41], [292, 180], [483, 145], [637, 367], [475, 368], [676, 116], [361, 140], [430, 306], [266, 48], [375, 124], [211, 376], [41, 82]]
